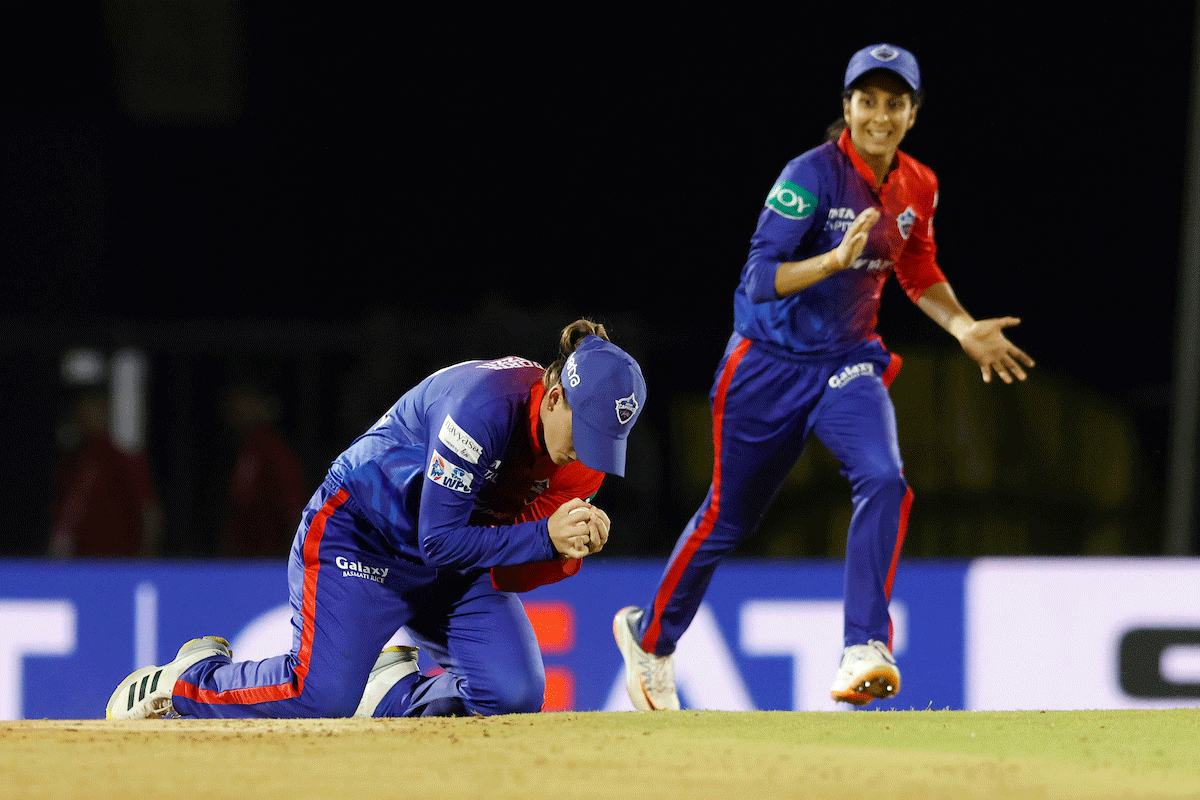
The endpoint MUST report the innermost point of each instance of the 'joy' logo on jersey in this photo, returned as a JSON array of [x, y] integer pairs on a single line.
[[791, 200]]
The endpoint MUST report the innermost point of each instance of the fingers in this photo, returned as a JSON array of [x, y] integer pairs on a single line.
[[995, 353], [580, 529], [1007, 367], [598, 530], [855, 238], [865, 220]]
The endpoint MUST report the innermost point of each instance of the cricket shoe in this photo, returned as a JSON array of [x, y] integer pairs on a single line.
[[146, 694], [392, 664], [868, 672], [649, 679]]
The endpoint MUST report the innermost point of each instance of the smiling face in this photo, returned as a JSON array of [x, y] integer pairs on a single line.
[[555, 415], [878, 113]]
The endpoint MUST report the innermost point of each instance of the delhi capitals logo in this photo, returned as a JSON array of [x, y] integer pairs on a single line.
[[905, 221], [626, 408], [884, 53]]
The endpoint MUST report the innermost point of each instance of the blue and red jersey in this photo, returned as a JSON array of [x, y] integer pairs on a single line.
[[455, 474], [807, 212]]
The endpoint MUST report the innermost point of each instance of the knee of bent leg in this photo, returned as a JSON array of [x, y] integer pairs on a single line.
[[881, 479], [516, 694], [331, 703]]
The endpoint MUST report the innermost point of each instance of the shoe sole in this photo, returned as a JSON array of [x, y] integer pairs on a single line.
[[633, 681], [141, 682], [878, 684]]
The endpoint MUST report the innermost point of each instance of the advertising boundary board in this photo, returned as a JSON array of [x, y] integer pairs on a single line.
[[976, 635]]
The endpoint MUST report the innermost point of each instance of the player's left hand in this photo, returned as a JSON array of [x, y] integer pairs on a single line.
[[597, 529], [985, 342]]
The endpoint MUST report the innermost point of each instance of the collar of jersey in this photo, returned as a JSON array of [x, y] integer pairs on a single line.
[[860, 166], [536, 393]]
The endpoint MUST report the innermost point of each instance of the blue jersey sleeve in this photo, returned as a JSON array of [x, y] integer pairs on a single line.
[[788, 217], [463, 445]]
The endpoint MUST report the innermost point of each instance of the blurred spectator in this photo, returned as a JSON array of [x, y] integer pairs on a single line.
[[104, 502], [266, 490]]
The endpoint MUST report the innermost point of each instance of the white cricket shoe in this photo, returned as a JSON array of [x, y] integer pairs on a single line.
[[146, 693], [868, 672], [649, 679], [392, 664]]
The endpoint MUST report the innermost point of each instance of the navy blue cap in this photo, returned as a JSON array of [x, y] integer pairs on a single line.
[[884, 56], [606, 391]]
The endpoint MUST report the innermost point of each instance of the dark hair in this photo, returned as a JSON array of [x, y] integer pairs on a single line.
[[838, 125], [568, 340]]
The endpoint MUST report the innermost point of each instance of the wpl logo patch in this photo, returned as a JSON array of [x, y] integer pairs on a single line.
[[449, 475]]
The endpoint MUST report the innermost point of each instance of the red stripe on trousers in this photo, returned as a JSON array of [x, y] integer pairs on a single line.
[[283, 691], [905, 508], [894, 363], [650, 639]]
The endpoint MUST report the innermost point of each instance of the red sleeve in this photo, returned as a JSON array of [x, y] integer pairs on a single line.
[[917, 268], [573, 480]]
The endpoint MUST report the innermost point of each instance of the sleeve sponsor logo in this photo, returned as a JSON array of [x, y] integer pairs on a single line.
[[450, 475], [791, 200], [459, 441]]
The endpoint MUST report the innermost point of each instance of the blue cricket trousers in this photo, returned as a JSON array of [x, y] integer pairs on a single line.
[[350, 592], [765, 405]]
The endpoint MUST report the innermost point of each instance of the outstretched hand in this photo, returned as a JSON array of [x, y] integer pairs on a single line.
[[578, 528], [855, 238], [985, 342]]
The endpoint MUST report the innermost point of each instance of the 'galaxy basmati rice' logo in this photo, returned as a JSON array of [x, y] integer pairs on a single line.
[[850, 373]]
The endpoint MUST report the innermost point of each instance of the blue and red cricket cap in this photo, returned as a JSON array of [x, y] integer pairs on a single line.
[[606, 391], [894, 59]]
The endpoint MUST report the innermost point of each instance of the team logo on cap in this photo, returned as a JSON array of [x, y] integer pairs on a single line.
[[885, 53], [626, 408]]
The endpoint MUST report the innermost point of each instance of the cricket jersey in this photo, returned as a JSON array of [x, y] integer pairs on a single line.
[[446, 472], [806, 213]]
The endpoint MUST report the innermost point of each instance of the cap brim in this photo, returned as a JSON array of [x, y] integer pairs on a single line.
[[907, 81], [596, 450]]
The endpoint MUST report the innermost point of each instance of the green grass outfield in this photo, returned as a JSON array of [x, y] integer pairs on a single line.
[[684, 754]]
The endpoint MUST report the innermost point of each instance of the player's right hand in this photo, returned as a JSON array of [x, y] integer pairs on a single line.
[[855, 239], [575, 528]]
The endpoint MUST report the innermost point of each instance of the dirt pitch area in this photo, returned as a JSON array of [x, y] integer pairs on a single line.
[[685, 754]]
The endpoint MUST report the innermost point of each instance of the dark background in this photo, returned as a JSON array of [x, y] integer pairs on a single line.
[[290, 193]]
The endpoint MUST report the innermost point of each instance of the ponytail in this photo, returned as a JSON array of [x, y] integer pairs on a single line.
[[568, 340]]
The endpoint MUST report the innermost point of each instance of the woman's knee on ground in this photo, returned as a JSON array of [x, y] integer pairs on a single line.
[[513, 694]]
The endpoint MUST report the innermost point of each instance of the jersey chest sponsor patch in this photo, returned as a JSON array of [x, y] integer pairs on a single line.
[[452, 476]]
